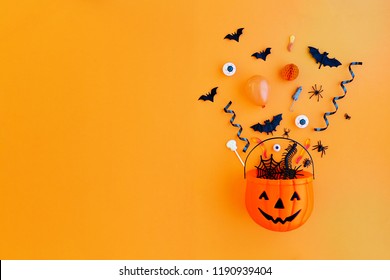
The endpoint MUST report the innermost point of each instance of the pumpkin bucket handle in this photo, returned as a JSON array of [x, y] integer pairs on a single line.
[[283, 138]]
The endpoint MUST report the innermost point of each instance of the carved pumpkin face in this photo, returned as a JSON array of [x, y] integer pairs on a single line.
[[279, 205]]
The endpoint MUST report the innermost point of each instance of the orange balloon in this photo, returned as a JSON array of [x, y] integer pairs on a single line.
[[257, 89]]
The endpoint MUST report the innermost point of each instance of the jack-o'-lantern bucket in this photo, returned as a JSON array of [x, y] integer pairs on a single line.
[[279, 201]]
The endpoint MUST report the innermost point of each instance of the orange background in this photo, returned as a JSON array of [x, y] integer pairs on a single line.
[[106, 153]]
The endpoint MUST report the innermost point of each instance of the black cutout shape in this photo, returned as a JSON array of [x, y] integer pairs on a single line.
[[209, 96], [278, 219], [320, 148], [295, 196], [279, 204], [268, 125], [263, 195], [263, 54], [323, 59], [235, 36]]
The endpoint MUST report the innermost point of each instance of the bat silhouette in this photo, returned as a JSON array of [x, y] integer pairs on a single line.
[[323, 59], [235, 35], [209, 96], [263, 54], [268, 125]]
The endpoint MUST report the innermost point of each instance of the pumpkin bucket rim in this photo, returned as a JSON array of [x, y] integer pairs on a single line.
[[306, 178], [282, 138]]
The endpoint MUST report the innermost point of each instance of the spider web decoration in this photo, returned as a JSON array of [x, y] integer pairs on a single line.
[[268, 168], [277, 170]]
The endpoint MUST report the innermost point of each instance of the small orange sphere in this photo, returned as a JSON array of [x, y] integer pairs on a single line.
[[290, 72]]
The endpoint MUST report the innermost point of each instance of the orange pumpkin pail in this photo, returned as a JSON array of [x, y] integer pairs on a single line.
[[279, 204]]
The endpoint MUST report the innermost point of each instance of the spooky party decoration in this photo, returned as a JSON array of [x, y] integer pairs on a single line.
[[291, 43], [306, 162], [323, 59], [227, 110], [262, 54], [295, 97], [232, 145], [307, 145], [286, 132], [342, 84], [316, 92], [320, 148], [347, 117], [279, 187], [261, 145], [235, 35], [257, 89], [209, 96], [290, 72], [277, 148], [279, 196], [301, 121], [268, 125], [276, 170], [229, 69]]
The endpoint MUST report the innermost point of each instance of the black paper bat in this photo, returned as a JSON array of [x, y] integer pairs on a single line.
[[323, 59], [268, 125], [263, 54], [235, 36], [209, 96]]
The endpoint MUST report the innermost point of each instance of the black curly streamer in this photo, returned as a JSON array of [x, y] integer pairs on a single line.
[[342, 84], [236, 125]]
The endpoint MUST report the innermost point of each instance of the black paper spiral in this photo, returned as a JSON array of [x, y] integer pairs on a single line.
[[236, 125]]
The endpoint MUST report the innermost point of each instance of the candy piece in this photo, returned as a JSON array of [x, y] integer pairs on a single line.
[[232, 145], [295, 97], [262, 147], [291, 43], [307, 145]]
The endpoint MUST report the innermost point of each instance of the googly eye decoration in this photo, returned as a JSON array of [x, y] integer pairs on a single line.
[[302, 121], [277, 148], [229, 69]]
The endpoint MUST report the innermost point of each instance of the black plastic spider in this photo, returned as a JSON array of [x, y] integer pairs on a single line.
[[316, 92], [292, 173], [347, 117], [286, 132], [320, 148], [306, 162]]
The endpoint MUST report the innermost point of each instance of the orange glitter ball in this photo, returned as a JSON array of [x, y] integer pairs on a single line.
[[290, 72]]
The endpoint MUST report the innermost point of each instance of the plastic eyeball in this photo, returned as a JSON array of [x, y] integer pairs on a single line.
[[229, 69], [302, 121], [277, 148]]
